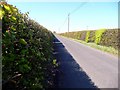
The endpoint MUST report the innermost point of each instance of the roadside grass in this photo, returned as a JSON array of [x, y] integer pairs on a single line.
[[109, 50]]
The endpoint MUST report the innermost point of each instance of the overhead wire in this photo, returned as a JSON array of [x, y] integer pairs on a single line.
[[81, 5]]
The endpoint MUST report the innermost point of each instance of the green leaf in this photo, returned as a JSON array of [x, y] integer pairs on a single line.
[[54, 61], [1, 13], [12, 28], [22, 41], [7, 7], [24, 68], [13, 18]]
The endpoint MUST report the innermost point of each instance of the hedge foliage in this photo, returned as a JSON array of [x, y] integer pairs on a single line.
[[27, 61], [87, 36], [98, 35], [91, 37], [102, 37], [110, 38]]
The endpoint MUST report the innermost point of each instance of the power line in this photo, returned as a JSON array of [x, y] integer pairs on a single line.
[[68, 16], [73, 12], [82, 4]]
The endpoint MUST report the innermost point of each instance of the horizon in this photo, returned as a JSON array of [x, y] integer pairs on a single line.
[[94, 30]]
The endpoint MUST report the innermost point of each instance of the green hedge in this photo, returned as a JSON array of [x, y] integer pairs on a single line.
[[91, 37], [27, 61], [110, 38], [83, 35], [87, 36], [98, 34], [102, 37]]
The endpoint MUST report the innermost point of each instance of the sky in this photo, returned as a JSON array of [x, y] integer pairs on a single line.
[[87, 15]]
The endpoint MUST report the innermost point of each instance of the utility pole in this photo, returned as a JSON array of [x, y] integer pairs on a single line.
[[68, 17], [68, 21], [73, 12]]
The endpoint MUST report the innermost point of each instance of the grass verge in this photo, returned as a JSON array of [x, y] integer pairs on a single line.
[[109, 50]]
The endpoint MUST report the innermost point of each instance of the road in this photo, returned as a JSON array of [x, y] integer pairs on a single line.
[[84, 67]]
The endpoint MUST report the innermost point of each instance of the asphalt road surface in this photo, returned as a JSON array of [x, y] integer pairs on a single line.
[[84, 67]]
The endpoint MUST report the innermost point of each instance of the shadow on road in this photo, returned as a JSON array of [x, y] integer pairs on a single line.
[[70, 74]]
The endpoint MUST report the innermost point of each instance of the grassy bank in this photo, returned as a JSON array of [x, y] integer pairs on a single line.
[[109, 50]]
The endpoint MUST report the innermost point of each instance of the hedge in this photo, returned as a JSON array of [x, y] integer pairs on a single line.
[[87, 36], [27, 60], [91, 36], [98, 35], [103, 37], [110, 38]]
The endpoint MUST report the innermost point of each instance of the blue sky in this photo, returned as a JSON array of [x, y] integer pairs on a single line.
[[92, 15]]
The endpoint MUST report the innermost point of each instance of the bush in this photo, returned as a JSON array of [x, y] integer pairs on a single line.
[[26, 51], [98, 35], [87, 36], [110, 38], [92, 36], [83, 35]]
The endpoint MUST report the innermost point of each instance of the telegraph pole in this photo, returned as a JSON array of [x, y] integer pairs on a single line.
[[72, 13], [68, 17]]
